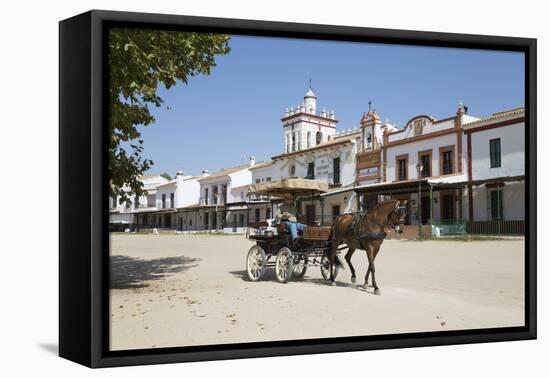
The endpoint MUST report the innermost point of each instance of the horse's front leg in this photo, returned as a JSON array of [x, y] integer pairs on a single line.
[[370, 257]]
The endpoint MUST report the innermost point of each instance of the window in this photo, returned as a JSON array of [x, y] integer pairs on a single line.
[[494, 149], [446, 155], [426, 161], [496, 205], [267, 213], [369, 139], [113, 203], [224, 193], [335, 210], [293, 142], [268, 179], [164, 201], [287, 144], [318, 137], [292, 170], [336, 170], [402, 167], [257, 181], [310, 171], [128, 204], [308, 140], [257, 215], [242, 196], [172, 204], [206, 196]]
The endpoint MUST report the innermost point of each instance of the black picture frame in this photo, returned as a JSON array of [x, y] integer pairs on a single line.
[[83, 214]]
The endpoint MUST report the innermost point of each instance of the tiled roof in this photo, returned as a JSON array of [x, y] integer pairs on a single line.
[[498, 115], [262, 164], [334, 142], [225, 172]]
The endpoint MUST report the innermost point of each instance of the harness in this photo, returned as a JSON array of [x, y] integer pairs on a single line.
[[356, 226]]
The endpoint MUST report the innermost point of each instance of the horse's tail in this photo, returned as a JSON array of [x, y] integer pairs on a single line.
[[333, 243]]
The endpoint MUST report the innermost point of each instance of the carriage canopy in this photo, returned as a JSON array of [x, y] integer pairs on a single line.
[[295, 186]]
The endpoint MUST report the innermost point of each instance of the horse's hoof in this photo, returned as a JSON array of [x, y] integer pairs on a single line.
[[377, 292], [365, 286], [333, 283], [352, 280]]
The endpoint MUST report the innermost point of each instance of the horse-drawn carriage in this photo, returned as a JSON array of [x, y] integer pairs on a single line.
[[274, 246]]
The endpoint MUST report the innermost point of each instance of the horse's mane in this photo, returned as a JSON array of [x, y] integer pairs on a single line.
[[381, 207]]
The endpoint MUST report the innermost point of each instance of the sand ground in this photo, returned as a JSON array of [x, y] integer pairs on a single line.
[[181, 290]]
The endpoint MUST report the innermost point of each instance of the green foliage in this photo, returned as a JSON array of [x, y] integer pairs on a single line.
[[139, 61], [166, 176]]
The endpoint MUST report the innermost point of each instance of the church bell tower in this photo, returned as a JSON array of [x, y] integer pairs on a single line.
[[305, 127]]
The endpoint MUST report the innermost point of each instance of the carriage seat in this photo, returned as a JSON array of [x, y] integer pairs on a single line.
[[317, 233]]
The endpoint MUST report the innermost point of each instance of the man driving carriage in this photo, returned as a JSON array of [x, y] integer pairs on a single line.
[[288, 214]]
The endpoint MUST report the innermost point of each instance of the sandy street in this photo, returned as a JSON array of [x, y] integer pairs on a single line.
[[181, 290]]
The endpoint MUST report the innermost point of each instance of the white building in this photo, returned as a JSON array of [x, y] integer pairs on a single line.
[[312, 148], [434, 145], [495, 149], [472, 170], [123, 215]]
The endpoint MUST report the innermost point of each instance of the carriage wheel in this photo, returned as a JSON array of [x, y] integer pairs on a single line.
[[284, 265], [325, 268], [300, 267], [255, 263]]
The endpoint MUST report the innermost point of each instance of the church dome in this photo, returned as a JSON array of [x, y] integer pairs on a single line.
[[310, 94]]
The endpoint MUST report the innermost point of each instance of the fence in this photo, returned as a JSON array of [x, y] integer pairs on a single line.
[[488, 227], [496, 227]]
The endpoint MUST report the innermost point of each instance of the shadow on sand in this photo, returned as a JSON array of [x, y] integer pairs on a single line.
[[129, 272], [269, 275]]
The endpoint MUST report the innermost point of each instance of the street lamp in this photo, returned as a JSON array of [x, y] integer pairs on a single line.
[[419, 169]]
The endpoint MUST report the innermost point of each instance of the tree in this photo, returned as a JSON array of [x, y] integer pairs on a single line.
[[139, 61], [166, 176]]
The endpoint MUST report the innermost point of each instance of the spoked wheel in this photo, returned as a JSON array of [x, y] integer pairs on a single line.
[[325, 268], [300, 267], [284, 265], [255, 263]]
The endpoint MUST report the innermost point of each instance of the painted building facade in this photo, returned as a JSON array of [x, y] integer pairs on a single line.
[[453, 171]]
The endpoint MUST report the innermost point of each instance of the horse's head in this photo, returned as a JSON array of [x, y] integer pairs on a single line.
[[397, 216]]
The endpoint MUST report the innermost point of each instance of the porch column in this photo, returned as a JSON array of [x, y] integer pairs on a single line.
[[431, 205], [460, 202], [322, 202]]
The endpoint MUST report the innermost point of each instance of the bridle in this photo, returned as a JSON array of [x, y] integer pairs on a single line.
[[396, 212]]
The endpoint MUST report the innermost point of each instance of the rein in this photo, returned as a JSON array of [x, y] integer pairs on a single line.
[[371, 235]]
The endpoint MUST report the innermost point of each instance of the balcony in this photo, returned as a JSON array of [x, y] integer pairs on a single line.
[[211, 201]]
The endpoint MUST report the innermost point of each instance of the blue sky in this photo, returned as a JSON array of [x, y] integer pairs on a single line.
[[218, 121]]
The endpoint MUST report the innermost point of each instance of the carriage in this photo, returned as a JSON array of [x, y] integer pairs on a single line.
[[273, 246]]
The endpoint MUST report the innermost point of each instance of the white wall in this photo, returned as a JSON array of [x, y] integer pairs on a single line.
[[512, 145], [187, 191], [412, 150], [166, 190], [241, 179], [323, 161]]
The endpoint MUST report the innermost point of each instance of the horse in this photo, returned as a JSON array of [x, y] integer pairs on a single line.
[[365, 231]]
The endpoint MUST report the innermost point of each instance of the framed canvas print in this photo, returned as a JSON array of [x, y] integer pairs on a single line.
[[234, 188]]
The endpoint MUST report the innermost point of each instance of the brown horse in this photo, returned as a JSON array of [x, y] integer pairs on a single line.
[[366, 232]]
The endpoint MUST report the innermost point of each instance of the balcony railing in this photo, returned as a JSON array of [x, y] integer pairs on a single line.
[[147, 205], [203, 201]]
